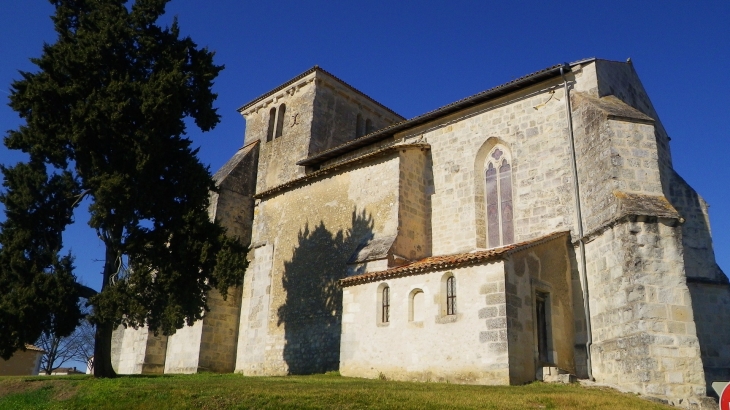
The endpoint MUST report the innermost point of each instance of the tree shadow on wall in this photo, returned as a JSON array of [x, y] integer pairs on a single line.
[[312, 311]]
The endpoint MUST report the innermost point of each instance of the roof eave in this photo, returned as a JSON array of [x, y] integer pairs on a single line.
[[468, 102]]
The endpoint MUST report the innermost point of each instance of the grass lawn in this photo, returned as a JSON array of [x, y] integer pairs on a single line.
[[330, 391]]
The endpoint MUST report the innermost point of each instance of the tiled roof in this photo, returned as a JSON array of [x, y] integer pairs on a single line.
[[306, 73], [35, 348], [467, 102], [325, 171], [448, 261]]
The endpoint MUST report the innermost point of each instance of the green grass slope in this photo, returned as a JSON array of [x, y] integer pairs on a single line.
[[330, 391]]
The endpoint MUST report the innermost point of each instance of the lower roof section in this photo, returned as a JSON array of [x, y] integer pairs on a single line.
[[434, 263]]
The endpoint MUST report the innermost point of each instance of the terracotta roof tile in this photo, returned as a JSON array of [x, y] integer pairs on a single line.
[[447, 261]]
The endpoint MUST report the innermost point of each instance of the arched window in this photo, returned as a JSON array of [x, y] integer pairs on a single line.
[[280, 120], [358, 126], [272, 120], [450, 296], [498, 177], [416, 306], [385, 306], [368, 126]]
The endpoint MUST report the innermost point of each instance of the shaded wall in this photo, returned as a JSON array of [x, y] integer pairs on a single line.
[[303, 239], [21, 364], [542, 268]]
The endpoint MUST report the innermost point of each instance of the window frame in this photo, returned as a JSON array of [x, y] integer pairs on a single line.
[[383, 305], [280, 114], [413, 312], [450, 296], [272, 124], [502, 187]]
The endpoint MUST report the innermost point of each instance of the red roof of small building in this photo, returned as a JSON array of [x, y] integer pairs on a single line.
[[448, 261]]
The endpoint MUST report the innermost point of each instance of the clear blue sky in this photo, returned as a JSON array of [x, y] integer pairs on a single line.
[[416, 56]]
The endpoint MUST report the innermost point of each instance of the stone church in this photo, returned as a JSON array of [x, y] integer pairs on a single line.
[[532, 228]]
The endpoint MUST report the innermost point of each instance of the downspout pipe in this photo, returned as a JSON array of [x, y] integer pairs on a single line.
[[579, 219]]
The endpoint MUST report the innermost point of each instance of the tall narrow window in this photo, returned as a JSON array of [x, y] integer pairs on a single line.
[[280, 120], [385, 311], [358, 126], [498, 176], [543, 332], [450, 296], [368, 126], [272, 120]]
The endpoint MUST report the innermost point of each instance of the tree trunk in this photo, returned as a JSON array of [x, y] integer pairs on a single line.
[[103, 337], [103, 351]]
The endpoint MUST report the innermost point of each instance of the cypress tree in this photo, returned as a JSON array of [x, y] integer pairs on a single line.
[[104, 119]]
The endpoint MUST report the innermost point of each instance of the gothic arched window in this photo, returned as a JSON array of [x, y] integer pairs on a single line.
[[498, 176]]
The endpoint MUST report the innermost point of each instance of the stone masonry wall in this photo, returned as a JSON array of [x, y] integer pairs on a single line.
[[711, 308], [594, 152], [141, 352], [312, 231], [469, 347], [277, 158], [336, 107], [218, 340], [622, 81], [183, 349], [209, 344], [644, 336], [532, 125], [414, 215], [614, 154], [321, 112], [233, 205], [254, 317], [699, 255]]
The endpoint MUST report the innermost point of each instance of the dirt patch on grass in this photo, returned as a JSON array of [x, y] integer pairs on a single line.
[[18, 385], [62, 389]]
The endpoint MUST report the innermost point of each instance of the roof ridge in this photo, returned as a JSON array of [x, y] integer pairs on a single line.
[[463, 103], [316, 68]]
